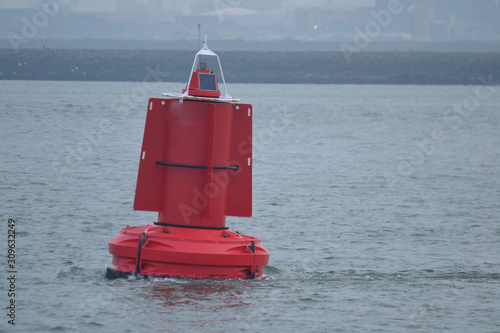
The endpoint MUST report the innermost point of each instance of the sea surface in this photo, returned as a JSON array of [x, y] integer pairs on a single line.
[[380, 206]]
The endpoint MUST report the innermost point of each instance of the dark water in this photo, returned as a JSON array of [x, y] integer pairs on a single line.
[[379, 205]]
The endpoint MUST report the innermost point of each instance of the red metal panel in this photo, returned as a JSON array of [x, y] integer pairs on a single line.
[[239, 196], [199, 133], [196, 133], [148, 189]]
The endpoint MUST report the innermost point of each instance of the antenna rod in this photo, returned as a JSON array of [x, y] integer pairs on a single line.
[[199, 36]]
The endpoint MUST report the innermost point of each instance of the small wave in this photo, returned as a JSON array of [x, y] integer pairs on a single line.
[[80, 272], [406, 276], [270, 271], [472, 276]]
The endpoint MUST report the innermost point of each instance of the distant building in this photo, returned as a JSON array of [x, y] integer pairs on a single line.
[[125, 6], [422, 19], [92, 6], [467, 19]]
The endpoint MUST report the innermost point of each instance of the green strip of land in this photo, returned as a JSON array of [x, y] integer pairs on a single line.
[[251, 67]]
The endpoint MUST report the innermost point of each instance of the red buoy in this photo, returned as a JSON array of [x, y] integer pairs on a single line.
[[195, 169]]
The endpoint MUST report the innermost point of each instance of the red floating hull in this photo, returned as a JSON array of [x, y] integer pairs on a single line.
[[180, 252]]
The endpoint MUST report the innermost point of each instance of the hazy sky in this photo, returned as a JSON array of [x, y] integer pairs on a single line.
[[17, 3], [107, 4]]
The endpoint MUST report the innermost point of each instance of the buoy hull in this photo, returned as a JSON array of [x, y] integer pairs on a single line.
[[180, 252]]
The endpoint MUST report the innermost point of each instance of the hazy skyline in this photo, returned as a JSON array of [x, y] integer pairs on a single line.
[[111, 5], [258, 20]]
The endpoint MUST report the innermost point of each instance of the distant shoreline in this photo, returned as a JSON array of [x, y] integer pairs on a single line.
[[287, 44], [322, 67]]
